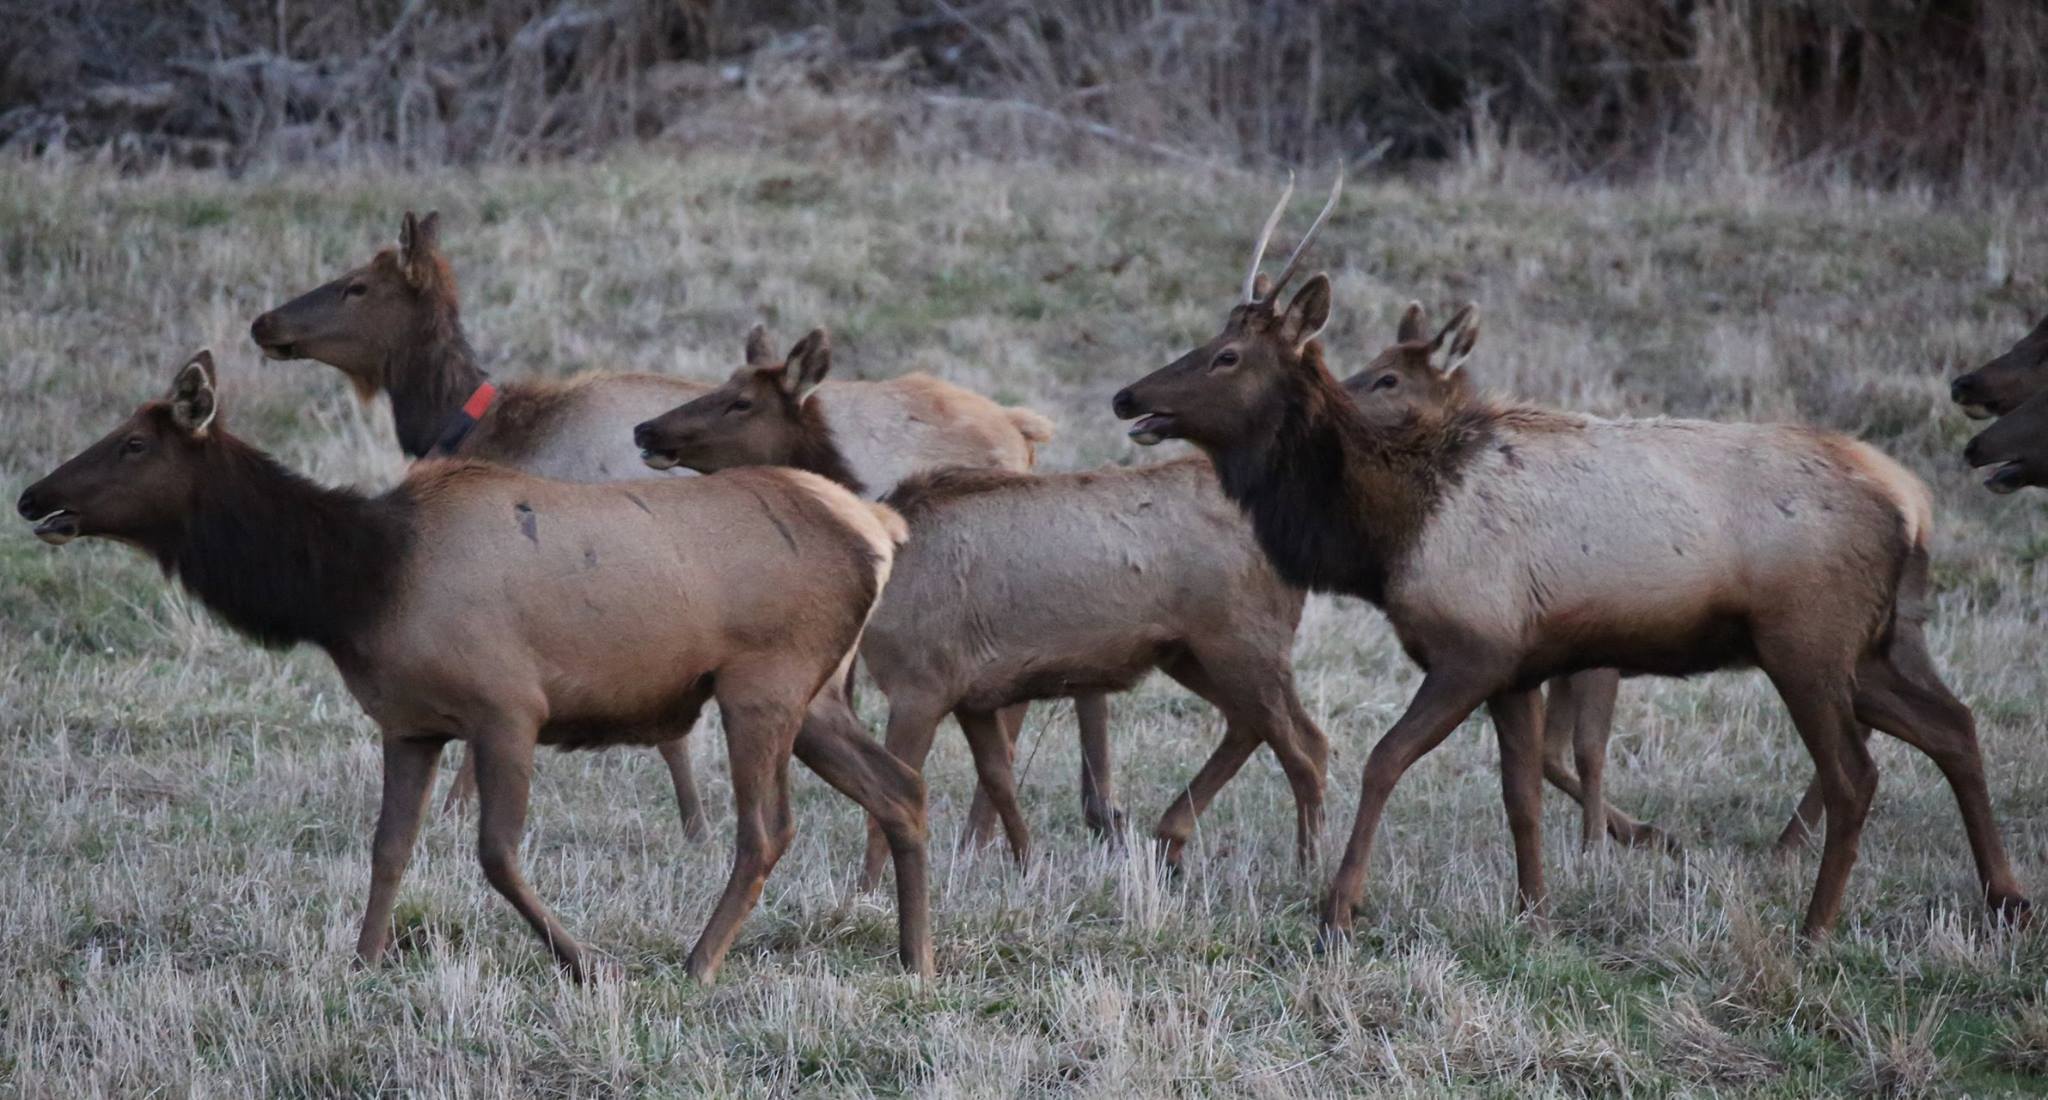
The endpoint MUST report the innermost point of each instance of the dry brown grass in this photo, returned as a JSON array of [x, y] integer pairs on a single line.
[[187, 817]]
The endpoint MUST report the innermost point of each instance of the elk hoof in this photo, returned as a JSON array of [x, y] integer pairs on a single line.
[[2012, 911]]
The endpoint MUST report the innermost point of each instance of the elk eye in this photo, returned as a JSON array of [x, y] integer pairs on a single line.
[[134, 445], [356, 290], [1226, 358], [740, 406], [1386, 381]]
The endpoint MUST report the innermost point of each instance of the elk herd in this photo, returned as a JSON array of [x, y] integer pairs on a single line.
[[587, 562]]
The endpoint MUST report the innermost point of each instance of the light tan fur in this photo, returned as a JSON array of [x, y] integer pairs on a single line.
[[1123, 571]]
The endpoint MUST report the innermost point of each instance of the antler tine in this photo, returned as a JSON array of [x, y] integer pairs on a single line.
[[1265, 235], [1286, 273]]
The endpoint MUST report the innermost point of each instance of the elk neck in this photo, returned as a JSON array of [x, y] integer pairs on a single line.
[[428, 378], [281, 559], [817, 449], [1336, 504]]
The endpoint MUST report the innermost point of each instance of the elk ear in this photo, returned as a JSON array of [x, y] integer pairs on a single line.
[[1414, 324], [1307, 313], [1457, 340], [760, 353], [193, 404], [419, 240], [807, 365]]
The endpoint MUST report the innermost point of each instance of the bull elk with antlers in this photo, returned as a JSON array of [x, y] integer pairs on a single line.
[[474, 603], [394, 326], [1508, 544]]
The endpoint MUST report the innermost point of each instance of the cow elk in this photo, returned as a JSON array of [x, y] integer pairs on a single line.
[[394, 326], [1508, 544], [977, 619], [2003, 384], [1419, 375], [479, 604], [766, 414]]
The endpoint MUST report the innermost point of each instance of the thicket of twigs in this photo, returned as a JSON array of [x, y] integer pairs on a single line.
[[1947, 92]]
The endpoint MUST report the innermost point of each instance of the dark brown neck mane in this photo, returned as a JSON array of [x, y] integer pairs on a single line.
[[818, 451], [428, 378], [281, 559], [1336, 504]]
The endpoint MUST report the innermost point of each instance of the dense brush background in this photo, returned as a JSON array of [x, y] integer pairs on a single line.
[[1816, 212]]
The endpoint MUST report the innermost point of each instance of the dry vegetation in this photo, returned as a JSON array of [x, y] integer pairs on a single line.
[[187, 818]]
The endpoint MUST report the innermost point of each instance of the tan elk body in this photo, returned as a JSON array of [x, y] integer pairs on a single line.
[[1509, 544], [394, 326], [478, 604]]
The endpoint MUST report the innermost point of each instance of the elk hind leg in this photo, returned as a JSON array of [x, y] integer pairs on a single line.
[[504, 775], [833, 744]]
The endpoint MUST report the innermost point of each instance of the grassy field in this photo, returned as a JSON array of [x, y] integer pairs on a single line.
[[186, 818]]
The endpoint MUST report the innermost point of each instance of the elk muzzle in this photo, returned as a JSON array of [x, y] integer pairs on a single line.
[[1152, 426], [2016, 447], [273, 337], [53, 524], [659, 447]]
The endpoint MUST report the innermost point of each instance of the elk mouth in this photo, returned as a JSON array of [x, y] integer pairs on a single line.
[[58, 528], [1152, 428], [286, 350], [1978, 412], [2006, 477], [658, 459]]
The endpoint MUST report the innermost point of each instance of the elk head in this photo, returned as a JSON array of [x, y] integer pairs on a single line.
[[1234, 388], [2000, 386], [1419, 375], [142, 478], [357, 321], [2017, 445], [761, 416]]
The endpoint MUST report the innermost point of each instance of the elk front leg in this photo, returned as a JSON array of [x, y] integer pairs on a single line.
[[912, 724], [408, 779], [1446, 697], [1591, 693], [504, 777]]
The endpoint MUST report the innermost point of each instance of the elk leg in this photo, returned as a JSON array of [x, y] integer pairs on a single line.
[[504, 773], [1258, 706], [991, 748], [1823, 711], [1806, 817], [981, 817], [408, 779], [1561, 732], [760, 734], [1098, 784], [1902, 694], [833, 744], [912, 724], [1593, 697], [676, 754], [1517, 724], [1447, 696], [463, 789]]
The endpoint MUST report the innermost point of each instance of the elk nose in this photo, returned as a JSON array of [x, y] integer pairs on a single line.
[[1973, 454], [1123, 404], [643, 434], [1964, 390], [261, 329], [29, 507]]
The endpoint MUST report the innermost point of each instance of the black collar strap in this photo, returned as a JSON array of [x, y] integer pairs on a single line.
[[465, 418]]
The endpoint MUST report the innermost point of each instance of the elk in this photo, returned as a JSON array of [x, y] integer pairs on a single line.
[[394, 325], [2015, 446], [1419, 375], [479, 604], [1508, 544], [767, 414], [977, 620], [2000, 386]]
